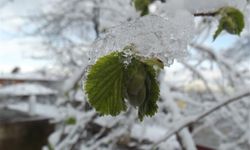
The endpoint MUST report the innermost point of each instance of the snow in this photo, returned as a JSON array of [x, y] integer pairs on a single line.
[[24, 89], [51, 111], [165, 94], [73, 80], [195, 6], [28, 77], [166, 38], [247, 19], [210, 140], [41, 109], [32, 105], [153, 133]]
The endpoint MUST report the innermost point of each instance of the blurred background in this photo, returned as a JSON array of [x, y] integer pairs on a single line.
[[44, 55]]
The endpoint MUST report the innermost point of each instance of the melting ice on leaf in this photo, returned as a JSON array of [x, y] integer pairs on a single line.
[[110, 81], [232, 20]]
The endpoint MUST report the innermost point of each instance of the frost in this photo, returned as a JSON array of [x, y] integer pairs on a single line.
[[165, 38], [23, 89], [194, 6], [211, 5], [247, 18], [204, 6]]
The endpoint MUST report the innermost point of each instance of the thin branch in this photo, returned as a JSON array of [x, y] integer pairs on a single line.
[[210, 14], [185, 137], [202, 78], [193, 119], [220, 60]]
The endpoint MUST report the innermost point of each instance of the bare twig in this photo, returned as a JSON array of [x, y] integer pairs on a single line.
[[211, 14], [202, 78]]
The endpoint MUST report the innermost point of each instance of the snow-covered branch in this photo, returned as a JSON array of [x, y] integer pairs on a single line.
[[187, 121], [184, 135]]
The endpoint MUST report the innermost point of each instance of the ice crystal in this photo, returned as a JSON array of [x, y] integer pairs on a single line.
[[152, 35]]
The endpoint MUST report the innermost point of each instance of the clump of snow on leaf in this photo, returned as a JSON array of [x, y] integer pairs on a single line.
[[165, 38]]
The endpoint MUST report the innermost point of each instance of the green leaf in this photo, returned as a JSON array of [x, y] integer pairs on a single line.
[[105, 85], [136, 82], [156, 63], [110, 80], [218, 31], [149, 106], [232, 20], [142, 6], [70, 121]]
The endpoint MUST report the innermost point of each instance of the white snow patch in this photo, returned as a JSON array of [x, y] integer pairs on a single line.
[[57, 113], [43, 110], [28, 77], [152, 133], [24, 89], [166, 38]]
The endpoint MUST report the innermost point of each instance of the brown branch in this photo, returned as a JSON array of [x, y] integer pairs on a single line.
[[207, 14], [194, 119]]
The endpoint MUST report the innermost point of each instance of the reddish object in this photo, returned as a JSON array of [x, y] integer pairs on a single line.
[[199, 147]]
